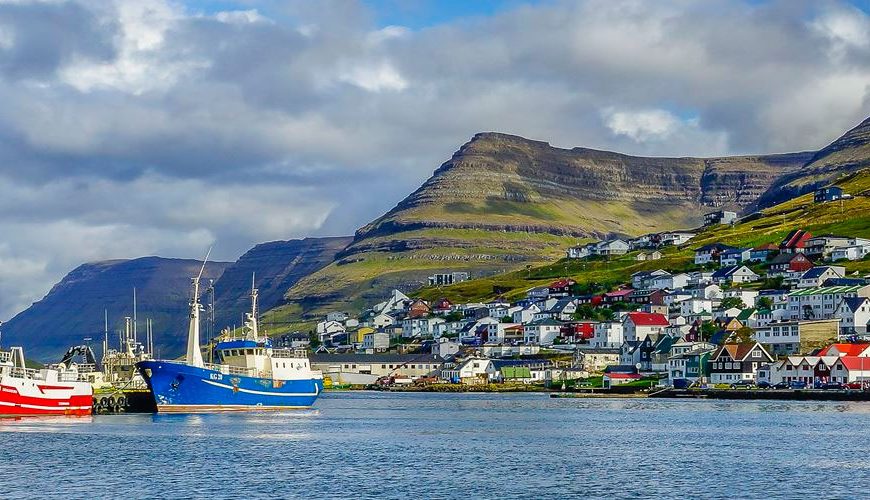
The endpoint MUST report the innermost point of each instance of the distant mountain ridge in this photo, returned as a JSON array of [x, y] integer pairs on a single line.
[[277, 266], [500, 203], [849, 153], [73, 309]]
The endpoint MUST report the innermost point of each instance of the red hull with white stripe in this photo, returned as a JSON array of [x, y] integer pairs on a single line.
[[27, 396]]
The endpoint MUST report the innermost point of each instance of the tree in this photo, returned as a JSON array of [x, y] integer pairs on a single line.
[[744, 334], [454, 316], [708, 329], [507, 319], [764, 303], [729, 302]]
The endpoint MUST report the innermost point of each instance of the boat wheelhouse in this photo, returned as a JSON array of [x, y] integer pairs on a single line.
[[56, 390], [249, 373]]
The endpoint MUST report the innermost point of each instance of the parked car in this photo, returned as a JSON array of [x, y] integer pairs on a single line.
[[764, 385], [859, 386], [781, 385], [797, 384], [743, 384], [831, 386]]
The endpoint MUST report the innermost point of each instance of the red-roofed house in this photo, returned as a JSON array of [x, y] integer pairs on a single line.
[[561, 288], [851, 369], [639, 325], [611, 379], [617, 295], [862, 350], [795, 241]]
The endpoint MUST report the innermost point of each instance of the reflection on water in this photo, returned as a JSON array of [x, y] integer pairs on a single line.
[[369, 445]]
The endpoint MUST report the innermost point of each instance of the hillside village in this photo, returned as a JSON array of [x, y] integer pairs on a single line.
[[783, 313]]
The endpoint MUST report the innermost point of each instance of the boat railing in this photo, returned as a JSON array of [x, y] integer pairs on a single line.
[[232, 370], [298, 352], [30, 373]]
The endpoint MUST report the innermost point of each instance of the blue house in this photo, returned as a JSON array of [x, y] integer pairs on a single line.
[[830, 193]]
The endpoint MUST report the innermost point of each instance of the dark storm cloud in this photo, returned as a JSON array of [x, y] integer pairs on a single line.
[[144, 127], [39, 38]]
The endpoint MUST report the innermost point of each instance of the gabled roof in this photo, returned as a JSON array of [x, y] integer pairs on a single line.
[[815, 272], [745, 314], [648, 319], [738, 352], [785, 258], [845, 349], [795, 239], [713, 246], [856, 363], [854, 303], [619, 293]]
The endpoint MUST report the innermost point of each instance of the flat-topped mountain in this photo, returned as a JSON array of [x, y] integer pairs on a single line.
[[504, 202]]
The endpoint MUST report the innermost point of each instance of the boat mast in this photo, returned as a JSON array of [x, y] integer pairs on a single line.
[[105, 334], [194, 354], [251, 320], [135, 321]]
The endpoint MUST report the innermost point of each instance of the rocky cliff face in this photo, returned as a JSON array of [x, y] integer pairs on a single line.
[[848, 154], [73, 309], [503, 202], [278, 265], [505, 182]]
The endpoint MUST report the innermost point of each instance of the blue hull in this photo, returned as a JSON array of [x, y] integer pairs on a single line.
[[177, 387]]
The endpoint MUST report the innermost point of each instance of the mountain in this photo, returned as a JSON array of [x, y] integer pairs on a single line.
[[849, 153], [505, 202], [770, 225], [277, 265], [73, 308]]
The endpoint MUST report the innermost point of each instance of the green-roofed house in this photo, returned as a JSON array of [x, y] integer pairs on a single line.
[[816, 303]]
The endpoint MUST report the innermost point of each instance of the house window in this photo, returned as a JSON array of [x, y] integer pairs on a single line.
[[756, 354]]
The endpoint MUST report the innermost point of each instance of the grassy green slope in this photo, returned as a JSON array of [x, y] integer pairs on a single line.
[[851, 217]]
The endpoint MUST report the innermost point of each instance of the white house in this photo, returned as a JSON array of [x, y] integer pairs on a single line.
[[496, 331], [854, 315], [543, 331], [639, 325], [376, 341], [748, 297], [526, 315], [821, 302], [816, 276], [326, 329], [612, 247], [852, 252], [735, 275], [671, 281], [607, 334], [695, 306]]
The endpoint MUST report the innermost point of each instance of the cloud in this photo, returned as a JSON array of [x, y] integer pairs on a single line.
[[642, 126], [154, 127]]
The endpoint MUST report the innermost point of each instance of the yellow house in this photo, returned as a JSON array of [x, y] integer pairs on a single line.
[[357, 336]]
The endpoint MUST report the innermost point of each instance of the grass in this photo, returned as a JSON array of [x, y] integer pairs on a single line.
[[849, 217]]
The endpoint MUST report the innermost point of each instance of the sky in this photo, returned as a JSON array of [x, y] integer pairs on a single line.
[[155, 127]]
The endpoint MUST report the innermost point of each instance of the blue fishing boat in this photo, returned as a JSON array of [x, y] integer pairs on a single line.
[[250, 374]]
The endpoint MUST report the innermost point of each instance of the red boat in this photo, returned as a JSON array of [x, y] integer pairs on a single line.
[[57, 390]]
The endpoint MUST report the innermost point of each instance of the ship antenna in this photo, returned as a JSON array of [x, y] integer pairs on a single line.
[[135, 321], [194, 354]]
